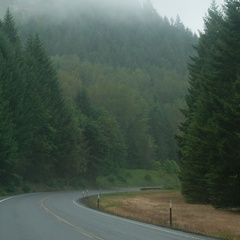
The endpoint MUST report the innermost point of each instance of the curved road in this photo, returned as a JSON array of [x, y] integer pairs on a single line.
[[58, 216]]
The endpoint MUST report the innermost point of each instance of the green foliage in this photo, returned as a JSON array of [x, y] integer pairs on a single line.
[[123, 74], [2, 192], [156, 166], [171, 166], [147, 130], [140, 178], [209, 145], [10, 29], [105, 146], [132, 63], [114, 36], [148, 178], [38, 138], [26, 188], [8, 148], [8, 144]]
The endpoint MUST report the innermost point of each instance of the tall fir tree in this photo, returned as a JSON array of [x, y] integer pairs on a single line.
[[224, 177], [194, 148], [39, 135], [8, 145], [209, 145], [9, 76], [10, 29], [53, 132]]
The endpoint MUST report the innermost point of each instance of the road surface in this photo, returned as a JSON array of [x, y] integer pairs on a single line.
[[58, 216]]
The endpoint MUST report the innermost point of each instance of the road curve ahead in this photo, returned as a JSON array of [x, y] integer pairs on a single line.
[[58, 216]]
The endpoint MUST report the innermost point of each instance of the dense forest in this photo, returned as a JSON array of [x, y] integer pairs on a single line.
[[210, 143], [89, 89]]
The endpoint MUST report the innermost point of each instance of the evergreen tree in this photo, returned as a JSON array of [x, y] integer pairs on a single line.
[[53, 139], [105, 146], [39, 134], [10, 29], [8, 145], [194, 143], [224, 178], [209, 145], [161, 132], [39, 137], [8, 112]]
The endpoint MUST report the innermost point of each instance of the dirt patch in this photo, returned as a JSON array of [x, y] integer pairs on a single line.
[[154, 208]]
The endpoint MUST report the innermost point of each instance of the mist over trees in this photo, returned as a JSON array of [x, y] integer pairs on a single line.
[[89, 88]]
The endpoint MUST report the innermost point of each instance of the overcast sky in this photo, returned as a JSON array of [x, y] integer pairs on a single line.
[[191, 12]]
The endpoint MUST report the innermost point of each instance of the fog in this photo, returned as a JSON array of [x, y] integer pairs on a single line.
[[64, 8], [58, 6], [191, 12]]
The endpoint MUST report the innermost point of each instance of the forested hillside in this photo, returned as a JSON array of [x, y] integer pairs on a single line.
[[98, 88]]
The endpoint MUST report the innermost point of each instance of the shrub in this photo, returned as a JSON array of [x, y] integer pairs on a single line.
[[156, 166], [2, 192], [111, 179], [148, 178], [26, 188], [171, 166]]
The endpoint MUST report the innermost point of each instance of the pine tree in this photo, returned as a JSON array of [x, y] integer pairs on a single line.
[[13, 80], [8, 144], [224, 178], [39, 134], [161, 131], [56, 140], [210, 142], [104, 143], [10, 29], [195, 143]]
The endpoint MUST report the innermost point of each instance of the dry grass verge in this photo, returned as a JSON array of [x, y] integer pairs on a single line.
[[153, 207]]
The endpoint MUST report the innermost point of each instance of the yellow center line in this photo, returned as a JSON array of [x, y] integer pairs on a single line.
[[83, 231]]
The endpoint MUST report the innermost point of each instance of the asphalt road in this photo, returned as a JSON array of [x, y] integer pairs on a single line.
[[58, 216]]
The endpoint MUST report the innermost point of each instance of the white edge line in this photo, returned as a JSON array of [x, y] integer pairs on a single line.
[[142, 224], [5, 199], [21, 195]]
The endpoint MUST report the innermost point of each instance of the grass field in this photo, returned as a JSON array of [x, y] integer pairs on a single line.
[[153, 207]]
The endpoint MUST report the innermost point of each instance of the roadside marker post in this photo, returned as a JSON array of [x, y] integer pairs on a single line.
[[98, 200], [170, 207]]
